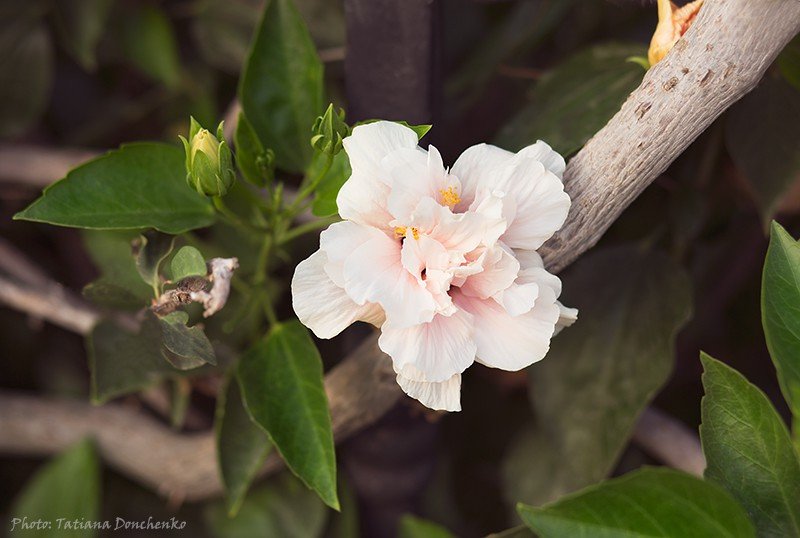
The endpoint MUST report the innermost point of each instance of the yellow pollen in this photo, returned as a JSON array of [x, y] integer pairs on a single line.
[[402, 231], [450, 197]]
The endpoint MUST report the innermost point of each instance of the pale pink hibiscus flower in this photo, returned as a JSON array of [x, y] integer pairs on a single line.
[[443, 261]]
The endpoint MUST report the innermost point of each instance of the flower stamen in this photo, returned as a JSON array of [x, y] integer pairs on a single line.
[[450, 197], [402, 232]]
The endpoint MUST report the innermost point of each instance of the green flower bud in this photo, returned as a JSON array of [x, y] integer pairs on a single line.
[[329, 130], [209, 163], [265, 162]]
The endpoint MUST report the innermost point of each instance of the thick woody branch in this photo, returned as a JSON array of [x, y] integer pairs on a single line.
[[720, 59]]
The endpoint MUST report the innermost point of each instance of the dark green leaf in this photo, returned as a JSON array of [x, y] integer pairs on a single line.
[[241, 445], [281, 88], [514, 532], [187, 262], [328, 188], [120, 285], [151, 45], [749, 451], [415, 527], [121, 361], [281, 379], [250, 154], [137, 186], [66, 489], [780, 312], [649, 502], [223, 29], [152, 248], [281, 508], [81, 24], [761, 133], [26, 68], [789, 62], [575, 100], [186, 347], [601, 372]]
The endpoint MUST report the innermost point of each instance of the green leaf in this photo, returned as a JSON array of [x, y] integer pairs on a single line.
[[152, 249], [121, 361], [120, 285], [67, 488], [137, 186], [749, 451], [150, 44], [789, 62], [649, 502], [26, 68], [241, 445], [514, 532], [601, 372], [328, 189], [281, 379], [575, 100], [81, 24], [222, 30], [780, 314], [421, 130], [187, 262], [281, 87], [281, 508], [185, 347], [761, 134], [250, 153], [415, 527]]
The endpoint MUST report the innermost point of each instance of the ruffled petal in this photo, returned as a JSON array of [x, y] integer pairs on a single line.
[[433, 351], [477, 169], [542, 204], [363, 199], [500, 270], [339, 241], [444, 396], [374, 273], [542, 152], [566, 318], [322, 306], [511, 342]]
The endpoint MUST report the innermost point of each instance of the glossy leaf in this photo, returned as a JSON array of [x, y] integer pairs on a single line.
[[151, 45], [66, 488], [649, 502], [749, 451], [415, 527], [600, 373], [121, 361], [789, 62], [780, 312], [26, 67], [137, 186], [575, 100], [761, 134], [281, 379], [185, 347], [188, 261], [81, 24], [242, 446], [281, 87], [250, 153], [152, 248]]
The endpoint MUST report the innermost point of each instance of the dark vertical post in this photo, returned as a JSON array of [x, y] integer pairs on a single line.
[[392, 71], [392, 67]]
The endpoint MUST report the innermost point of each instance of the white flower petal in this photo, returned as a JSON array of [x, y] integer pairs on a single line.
[[444, 396], [339, 241], [566, 318], [374, 273], [500, 270], [434, 351], [370, 143], [362, 199], [542, 152], [542, 204], [322, 306], [511, 342], [518, 298], [477, 169]]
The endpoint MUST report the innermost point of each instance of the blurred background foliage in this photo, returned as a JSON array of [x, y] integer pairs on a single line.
[[679, 272]]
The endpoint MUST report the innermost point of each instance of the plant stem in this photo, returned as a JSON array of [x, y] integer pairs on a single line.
[[312, 226], [232, 217], [306, 191]]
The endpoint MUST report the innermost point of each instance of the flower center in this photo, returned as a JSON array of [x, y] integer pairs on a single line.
[[450, 197], [402, 231]]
